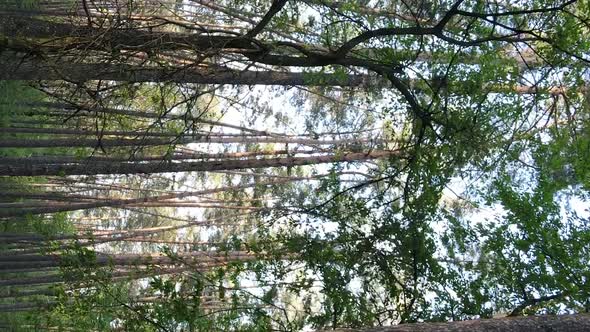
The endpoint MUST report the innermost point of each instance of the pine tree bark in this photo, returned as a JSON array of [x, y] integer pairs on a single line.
[[60, 159], [14, 68], [113, 39], [203, 166], [203, 259], [148, 141], [548, 323]]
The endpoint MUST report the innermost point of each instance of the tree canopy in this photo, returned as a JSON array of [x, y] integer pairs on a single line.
[[197, 165]]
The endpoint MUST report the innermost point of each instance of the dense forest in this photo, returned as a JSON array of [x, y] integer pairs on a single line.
[[294, 165]]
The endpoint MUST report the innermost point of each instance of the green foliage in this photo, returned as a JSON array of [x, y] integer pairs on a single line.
[[374, 243]]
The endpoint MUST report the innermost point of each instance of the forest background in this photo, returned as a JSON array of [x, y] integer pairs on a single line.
[[197, 165]]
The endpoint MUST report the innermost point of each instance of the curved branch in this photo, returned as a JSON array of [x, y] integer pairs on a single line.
[[414, 31], [517, 12], [367, 35], [276, 6]]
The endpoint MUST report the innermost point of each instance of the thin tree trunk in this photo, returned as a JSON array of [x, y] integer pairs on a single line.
[[71, 109], [202, 259], [116, 276], [53, 208], [30, 292], [112, 142], [50, 159], [199, 205], [16, 307], [136, 133], [204, 166]]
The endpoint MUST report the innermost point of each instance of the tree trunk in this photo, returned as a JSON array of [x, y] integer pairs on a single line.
[[113, 39], [110, 142], [14, 68], [561, 323], [203, 259], [71, 110], [60, 159], [167, 167], [53, 208]]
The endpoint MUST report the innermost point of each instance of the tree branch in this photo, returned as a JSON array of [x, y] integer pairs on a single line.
[[276, 6], [532, 301]]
